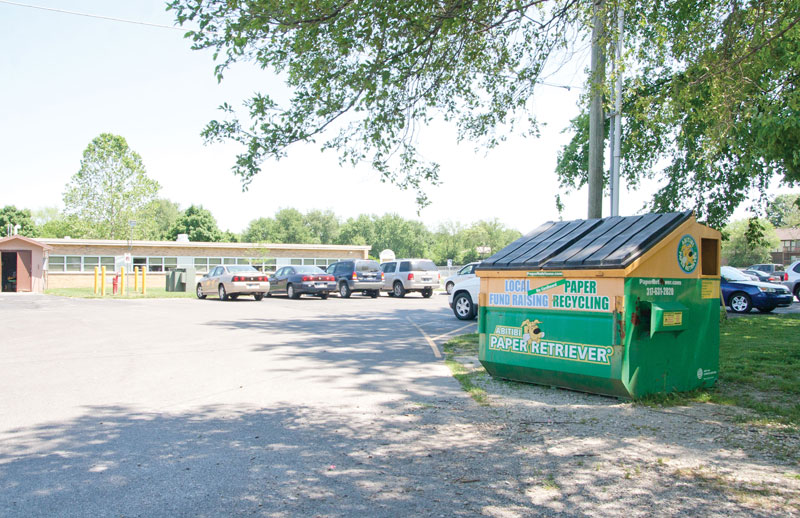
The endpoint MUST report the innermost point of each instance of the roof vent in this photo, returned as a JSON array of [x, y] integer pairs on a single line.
[[182, 238]]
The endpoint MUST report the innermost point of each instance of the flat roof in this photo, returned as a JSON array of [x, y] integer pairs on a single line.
[[197, 244]]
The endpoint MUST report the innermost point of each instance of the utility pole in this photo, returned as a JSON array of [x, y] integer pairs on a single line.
[[596, 140], [616, 152]]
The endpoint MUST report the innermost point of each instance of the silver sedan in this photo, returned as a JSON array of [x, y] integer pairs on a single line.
[[230, 281]]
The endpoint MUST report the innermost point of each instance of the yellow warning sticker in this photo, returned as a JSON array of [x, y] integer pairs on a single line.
[[673, 318], [710, 289]]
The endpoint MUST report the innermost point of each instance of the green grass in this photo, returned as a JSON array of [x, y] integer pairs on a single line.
[[465, 345], [152, 293], [759, 369]]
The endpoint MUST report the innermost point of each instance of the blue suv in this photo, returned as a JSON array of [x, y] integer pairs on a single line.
[[362, 275]]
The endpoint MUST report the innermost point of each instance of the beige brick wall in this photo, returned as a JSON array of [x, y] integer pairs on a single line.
[[86, 280]]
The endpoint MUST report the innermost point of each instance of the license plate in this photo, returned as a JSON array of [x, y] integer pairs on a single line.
[[252, 285], [322, 285], [426, 279]]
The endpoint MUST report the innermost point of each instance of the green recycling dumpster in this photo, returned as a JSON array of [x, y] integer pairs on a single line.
[[622, 306]]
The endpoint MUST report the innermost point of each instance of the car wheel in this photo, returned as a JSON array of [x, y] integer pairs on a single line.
[[797, 292], [323, 296], [223, 295], [399, 290], [291, 293], [463, 308], [344, 290], [449, 288], [741, 303], [199, 291], [390, 293], [427, 292], [374, 294], [258, 296]]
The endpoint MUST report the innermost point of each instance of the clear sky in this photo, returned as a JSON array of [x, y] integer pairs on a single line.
[[65, 79]]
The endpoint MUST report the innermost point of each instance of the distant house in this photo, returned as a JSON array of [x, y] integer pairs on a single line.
[[788, 250]]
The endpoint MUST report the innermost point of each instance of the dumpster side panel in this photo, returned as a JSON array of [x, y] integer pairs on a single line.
[[681, 351], [577, 350]]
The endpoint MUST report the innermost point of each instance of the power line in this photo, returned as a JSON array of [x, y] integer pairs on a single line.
[[87, 15]]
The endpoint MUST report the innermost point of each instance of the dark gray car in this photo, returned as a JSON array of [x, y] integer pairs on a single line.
[[362, 275]]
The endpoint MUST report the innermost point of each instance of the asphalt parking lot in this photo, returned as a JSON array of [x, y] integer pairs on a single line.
[[183, 407]]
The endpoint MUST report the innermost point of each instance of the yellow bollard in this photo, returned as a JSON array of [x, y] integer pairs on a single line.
[[96, 272], [144, 281], [136, 279], [122, 281], [103, 282]]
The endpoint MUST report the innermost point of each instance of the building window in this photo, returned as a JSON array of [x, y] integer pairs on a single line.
[[155, 264], [73, 263], [295, 261], [170, 263], [55, 263]]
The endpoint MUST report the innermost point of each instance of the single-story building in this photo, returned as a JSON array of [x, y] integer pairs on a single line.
[[70, 262], [23, 263]]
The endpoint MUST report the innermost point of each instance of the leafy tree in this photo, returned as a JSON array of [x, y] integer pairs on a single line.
[[261, 230], [448, 243], [199, 224], [110, 189], [459, 243], [784, 210], [230, 237], [63, 226], [10, 215], [749, 241], [291, 228], [407, 238], [324, 226], [156, 219], [711, 93], [44, 215], [358, 231], [365, 74]]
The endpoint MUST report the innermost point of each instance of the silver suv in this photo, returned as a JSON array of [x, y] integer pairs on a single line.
[[793, 283], [404, 275]]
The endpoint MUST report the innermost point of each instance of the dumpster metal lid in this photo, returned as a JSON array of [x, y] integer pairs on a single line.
[[613, 243]]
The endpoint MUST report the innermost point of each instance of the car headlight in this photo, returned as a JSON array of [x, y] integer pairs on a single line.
[[769, 290]]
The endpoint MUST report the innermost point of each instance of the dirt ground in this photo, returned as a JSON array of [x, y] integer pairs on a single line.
[[557, 452]]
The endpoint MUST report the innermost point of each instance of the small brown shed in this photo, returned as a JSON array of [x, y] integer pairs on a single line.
[[22, 263]]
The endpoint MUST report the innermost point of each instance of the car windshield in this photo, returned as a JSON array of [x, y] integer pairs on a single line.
[[367, 266], [241, 268], [424, 265], [732, 274], [308, 269]]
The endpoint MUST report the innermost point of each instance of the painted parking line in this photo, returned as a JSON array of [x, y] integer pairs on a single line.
[[428, 339], [450, 333], [432, 340]]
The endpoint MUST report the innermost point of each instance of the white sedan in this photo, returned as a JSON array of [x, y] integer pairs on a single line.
[[466, 272], [230, 281], [464, 298]]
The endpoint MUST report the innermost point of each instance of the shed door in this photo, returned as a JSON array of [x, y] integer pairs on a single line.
[[24, 268]]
